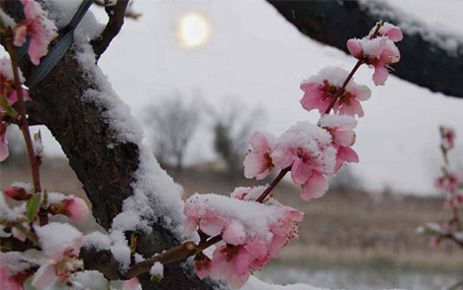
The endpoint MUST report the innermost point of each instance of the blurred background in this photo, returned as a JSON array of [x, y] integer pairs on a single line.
[[202, 75]]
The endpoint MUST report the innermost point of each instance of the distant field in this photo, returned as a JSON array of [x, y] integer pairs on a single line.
[[342, 228]]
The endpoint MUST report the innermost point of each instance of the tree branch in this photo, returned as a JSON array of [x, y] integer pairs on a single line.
[[423, 62], [116, 16]]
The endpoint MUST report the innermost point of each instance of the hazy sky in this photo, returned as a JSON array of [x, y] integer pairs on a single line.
[[255, 56]]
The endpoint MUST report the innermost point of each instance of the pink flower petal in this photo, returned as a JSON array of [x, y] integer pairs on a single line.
[[300, 171], [315, 187], [380, 75]]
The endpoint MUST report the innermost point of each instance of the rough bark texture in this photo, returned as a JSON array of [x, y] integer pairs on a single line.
[[333, 22], [105, 172]]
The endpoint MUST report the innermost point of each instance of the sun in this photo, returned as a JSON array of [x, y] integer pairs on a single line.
[[193, 30]]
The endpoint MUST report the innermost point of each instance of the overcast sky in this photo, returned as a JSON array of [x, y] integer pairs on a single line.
[[253, 55]]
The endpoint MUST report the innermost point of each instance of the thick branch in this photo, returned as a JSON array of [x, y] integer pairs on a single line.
[[116, 16], [423, 61]]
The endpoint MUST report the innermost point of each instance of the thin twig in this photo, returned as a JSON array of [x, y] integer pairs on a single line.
[[23, 123], [116, 15]]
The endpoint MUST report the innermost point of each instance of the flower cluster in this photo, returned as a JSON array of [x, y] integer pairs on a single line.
[[378, 50], [59, 243], [251, 232], [450, 182], [250, 227]]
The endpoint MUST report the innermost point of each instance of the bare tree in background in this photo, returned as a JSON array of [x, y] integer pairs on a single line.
[[232, 128], [173, 122], [345, 180]]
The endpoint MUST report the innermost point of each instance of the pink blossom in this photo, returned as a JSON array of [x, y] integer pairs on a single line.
[[248, 193], [449, 182], [251, 232], [447, 137], [320, 92], [307, 149], [257, 162], [387, 29], [9, 280], [378, 52], [61, 245], [76, 209], [341, 130], [14, 270], [131, 284], [18, 191], [38, 27], [71, 206]]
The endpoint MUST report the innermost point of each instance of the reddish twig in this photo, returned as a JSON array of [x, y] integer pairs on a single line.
[[23, 123]]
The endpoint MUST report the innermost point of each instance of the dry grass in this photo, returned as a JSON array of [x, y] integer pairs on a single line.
[[342, 227]]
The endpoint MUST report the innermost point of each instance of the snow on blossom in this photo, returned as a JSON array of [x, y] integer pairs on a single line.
[[58, 239], [132, 284], [19, 191], [378, 53], [14, 270], [252, 234], [38, 27], [308, 150], [321, 90], [258, 162], [341, 128], [71, 206], [61, 245]]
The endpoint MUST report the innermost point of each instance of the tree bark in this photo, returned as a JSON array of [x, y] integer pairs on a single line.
[[423, 62], [105, 171]]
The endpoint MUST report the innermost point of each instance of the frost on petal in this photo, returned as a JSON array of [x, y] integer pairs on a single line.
[[234, 233], [315, 187], [58, 239]]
